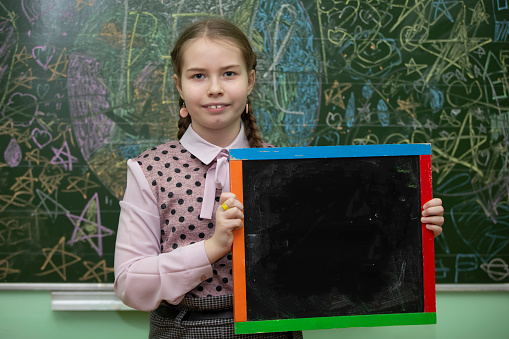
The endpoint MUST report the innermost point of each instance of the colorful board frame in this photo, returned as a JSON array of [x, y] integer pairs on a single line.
[[243, 325]]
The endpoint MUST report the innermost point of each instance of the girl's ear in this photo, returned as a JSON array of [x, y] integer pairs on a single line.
[[251, 81], [178, 83]]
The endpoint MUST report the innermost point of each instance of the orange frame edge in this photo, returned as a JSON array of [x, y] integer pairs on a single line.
[[239, 250]]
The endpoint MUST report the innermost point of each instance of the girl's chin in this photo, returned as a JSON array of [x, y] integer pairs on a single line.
[[217, 124]]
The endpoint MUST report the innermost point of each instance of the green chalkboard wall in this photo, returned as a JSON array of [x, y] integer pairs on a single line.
[[85, 85]]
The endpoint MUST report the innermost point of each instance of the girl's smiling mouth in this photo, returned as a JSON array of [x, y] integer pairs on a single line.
[[215, 107]]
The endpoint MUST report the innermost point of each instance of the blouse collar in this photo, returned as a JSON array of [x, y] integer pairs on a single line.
[[218, 175]]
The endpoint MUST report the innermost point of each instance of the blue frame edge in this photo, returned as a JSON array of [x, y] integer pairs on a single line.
[[350, 151]]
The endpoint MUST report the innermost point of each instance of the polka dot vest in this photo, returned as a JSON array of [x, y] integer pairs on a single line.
[[177, 179]]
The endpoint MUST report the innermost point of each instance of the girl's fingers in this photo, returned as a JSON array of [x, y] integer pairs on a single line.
[[229, 213], [228, 201], [234, 213], [434, 220], [432, 216], [226, 196], [236, 224], [437, 230], [437, 210], [432, 203], [229, 204]]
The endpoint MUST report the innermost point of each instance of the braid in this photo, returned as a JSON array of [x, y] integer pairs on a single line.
[[252, 134], [183, 123]]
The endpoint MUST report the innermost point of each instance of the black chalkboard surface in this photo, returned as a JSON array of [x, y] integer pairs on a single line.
[[342, 229], [332, 236]]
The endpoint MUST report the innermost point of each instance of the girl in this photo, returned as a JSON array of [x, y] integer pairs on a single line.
[[175, 227]]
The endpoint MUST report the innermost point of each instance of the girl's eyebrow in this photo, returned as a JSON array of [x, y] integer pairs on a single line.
[[195, 69], [199, 69]]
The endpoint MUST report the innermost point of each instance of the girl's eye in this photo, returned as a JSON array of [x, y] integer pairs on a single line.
[[229, 74], [198, 76]]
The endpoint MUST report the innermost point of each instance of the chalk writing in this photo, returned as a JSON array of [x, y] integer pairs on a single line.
[[85, 85]]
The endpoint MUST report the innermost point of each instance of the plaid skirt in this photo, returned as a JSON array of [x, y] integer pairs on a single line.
[[163, 327]]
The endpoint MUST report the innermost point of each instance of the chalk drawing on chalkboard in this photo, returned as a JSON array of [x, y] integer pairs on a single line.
[[57, 260], [88, 227], [332, 238], [98, 77]]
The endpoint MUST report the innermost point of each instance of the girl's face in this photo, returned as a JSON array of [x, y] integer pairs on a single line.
[[214, 84]]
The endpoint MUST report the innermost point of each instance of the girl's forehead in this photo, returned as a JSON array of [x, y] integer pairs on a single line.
[[204, 43], [205, 53]]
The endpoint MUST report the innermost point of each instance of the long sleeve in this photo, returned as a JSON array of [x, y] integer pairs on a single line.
[[143, 275]]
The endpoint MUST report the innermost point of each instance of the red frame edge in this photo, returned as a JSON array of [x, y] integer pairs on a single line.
[[428, 244], [238, 250]]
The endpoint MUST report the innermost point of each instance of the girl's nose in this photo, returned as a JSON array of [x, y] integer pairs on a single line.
[[215, 87]]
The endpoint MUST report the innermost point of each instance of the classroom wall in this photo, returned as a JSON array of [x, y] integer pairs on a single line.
[[465, 315]]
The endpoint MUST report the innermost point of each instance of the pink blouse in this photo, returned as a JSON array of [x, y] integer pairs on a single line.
[[160, 252]]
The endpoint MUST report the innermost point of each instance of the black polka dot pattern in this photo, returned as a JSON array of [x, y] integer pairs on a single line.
[[177, 180]]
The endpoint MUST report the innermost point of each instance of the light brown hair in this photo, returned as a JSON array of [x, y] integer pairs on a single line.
[[218, 29]]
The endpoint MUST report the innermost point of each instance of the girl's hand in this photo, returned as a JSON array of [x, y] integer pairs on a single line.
[[432, 216], [226, 222]]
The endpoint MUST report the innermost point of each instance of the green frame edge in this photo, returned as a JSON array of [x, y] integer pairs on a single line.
[[303, 324]]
